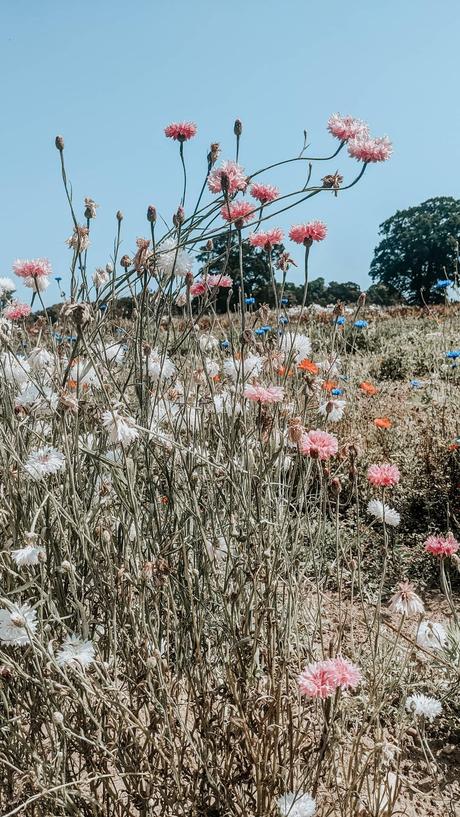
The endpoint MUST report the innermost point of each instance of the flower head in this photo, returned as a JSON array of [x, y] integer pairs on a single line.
[[229, 178], [405, 601], [296, 805], [383, 422], [367, 149], [237, 212], [431, 635], [383, 512], [28, 555], [346, 127], [121, 430], [6, 286], [264, 192], [218, 280], [332, 410], [383, 475], [261, 394], [35, 268], [18, 625], [423, 706], [318, 444], [75, 652], [368, 388], [79, 240], [181, 131], [44, 461], [345, 675], [441, 545], [172, 259], [16, 310], [316, 680], [268, 239], [307, 233]]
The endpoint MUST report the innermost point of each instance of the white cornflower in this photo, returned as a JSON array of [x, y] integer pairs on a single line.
[[208, 343], [159, 366], [44, 461], [42, 402], [405, 601], [424, 706], [14, 369], [299, 345], [120, 429], [224, 403], [252, 366], [378, 509], [211, 367], [100, 277], [39, 359], [112, 353], [18, 624], [296, 805], [171, 260], [332, 410], [85, 374], [37, 283], [431, 635], [75, 651], [29, 555], [6, 286]]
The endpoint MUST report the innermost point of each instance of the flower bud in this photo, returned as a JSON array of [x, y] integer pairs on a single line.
[[179, 216], [125, 261], [238, 127], [59, 142], [213, 154], [336, 485], [58, 718], [119, 215], [362, 299], [209, 245], [151, 214]]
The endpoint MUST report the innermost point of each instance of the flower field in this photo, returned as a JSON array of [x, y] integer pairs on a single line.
[[230, 567]]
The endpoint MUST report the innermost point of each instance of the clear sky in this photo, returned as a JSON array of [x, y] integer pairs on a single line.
[[110, 74]]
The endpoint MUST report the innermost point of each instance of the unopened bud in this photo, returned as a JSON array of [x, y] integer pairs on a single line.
[[224, 182], [179, 216], [362, 299], [213, 154], [59, 142], [209, 245], [151, 214], [125, 261], [336, 485], [119, 215], [238, 127], [189, 279]]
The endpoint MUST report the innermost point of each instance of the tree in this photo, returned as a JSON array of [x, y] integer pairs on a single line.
[[347, 292], [256, 270], [419, 247], [382, 295]]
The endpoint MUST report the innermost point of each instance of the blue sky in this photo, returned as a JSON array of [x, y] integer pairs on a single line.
[[110, 74]]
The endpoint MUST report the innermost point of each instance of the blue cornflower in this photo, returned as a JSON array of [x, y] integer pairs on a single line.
[[250, 300], [361, 324], [260, 331], [57, 336], [266, 328], [283, 319], [224, 344], [341, 320], [453, 355], [58, 279], [284, 301], [103, 307], [442, 283], [337, 392], [71, 338], [417, 384]]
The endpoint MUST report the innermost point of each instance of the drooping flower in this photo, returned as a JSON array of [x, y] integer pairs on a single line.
[[423, 706], [238, 212], [76, 652], [307, 233], [368, 149], [318, 444], [44, 461], [383, 475], [332, 410], [17, 625], [296, 805], [382, 511], [346, 127], [262, 394], [181, 131], [316, 680], [431, 635], [121, 430], [79, 240], [16, 310], [229, 178], [28, 555], [405, 601], [264, 193], [268, 239], [442, 545], [100, 277]]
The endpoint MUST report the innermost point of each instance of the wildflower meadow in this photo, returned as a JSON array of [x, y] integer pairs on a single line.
[[230, 557]]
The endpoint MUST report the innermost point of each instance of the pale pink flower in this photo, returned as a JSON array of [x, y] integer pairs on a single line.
[[343, 673], [16, 310], [441, 545], [234, 178], [260, 394], [405, 601], [237, 212], [306, 233], [268, 239], [264, 192], [316, 680], [346, 127], [383, 475], [318, 444], [35, 268], [181, 131], [219, 281], [367, 149], [198, 288]]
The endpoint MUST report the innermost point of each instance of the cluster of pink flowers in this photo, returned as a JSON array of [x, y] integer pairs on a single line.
[[365, 148], [306, 233], [383, 475], [261, 394], [268, 239], [34, 273], [181, 131], [322, 678], [210, 282], [264, 193], [319, 444], [16, 310], [346, 127], [229, 177], [238, 212], [442, 545]]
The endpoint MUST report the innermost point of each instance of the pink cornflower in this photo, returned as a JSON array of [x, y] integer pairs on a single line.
[[234, 178], [367, 149], [268, 239], [346, 127], [237, 212], [441, 545], [383, 475], [260, 394], [198, 288], [264, 192], [35, 268], [181, 131], [317, 681], [219, 281], [344, 674], [15, 311], [306, 233], [318, 444]]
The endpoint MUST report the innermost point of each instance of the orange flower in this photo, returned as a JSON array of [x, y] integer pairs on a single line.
[[72, 384], [308, 366], [282, 371], [328, 385], [453, 447], [216, 378], [383, 422], [368, 388]]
